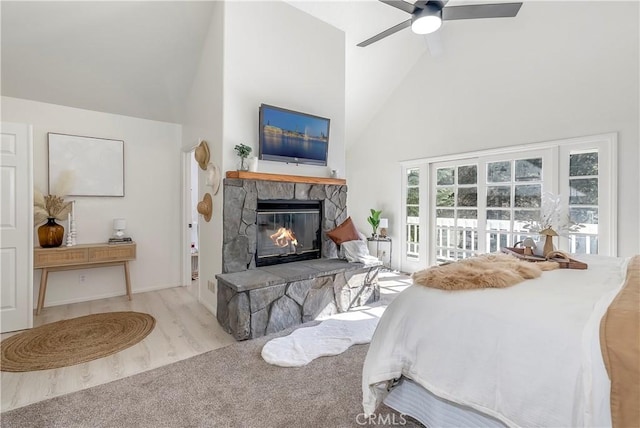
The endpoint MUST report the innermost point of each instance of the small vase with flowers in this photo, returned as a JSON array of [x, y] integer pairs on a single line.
[[50, 208]]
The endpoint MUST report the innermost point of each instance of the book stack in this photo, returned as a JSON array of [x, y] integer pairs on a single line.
[[123, 240]]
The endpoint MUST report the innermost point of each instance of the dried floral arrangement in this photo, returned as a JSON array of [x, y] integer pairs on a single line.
[[552, 216], [54, 205]]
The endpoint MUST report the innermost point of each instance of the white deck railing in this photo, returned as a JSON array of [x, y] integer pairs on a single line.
[[453, 243]]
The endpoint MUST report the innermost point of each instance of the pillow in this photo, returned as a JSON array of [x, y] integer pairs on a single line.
[[343, 233], [355, 251], [341, 254]]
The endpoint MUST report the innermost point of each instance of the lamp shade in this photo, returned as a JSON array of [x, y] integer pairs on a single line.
[[384, 223], [427, 20], [119, 224]]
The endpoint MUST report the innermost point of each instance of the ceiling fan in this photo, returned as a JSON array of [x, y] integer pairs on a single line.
[[427, 15]]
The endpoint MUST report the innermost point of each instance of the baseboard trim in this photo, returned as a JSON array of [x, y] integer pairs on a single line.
[[209, 307], [106, 296]]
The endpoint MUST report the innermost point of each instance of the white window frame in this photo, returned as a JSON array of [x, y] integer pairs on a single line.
[[606, 144], [549, 175], [607, 186], [410, 264]]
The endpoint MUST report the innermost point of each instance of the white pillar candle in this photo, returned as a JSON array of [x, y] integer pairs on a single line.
[[73, 210]]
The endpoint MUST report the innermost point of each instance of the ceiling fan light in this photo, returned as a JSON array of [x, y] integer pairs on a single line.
[[427, 20], [426, 24]]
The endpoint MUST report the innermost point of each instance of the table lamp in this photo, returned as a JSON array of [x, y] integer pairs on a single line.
[[119, 225], [384, 224]]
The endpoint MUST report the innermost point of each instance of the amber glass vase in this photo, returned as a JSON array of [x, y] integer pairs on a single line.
[[50, 234]]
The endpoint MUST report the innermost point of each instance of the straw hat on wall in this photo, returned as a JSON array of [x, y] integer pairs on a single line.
[[213, 177], [201, 154], [205, 207]]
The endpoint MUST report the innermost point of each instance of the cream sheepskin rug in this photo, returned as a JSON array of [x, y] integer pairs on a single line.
[[495, 270], [331, 337]]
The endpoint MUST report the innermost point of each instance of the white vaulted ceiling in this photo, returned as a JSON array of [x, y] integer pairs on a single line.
[[132, 58], [138, 58], [372, 73]]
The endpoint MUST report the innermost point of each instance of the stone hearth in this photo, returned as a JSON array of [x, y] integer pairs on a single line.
[[256, 302]]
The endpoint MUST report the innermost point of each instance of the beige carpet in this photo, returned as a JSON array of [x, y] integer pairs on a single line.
[[227, 387], [74, 341]]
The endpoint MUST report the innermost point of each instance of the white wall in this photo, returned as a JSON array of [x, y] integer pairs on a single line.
[[564, 77], [260, 52], [279, 55], [151, 204], [202, 120]]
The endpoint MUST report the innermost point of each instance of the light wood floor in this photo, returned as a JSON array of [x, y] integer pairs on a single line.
[[184, 328]]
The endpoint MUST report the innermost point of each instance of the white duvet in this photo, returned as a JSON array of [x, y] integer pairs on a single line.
[[528, 355]]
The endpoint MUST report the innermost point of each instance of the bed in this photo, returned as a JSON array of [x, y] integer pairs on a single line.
[[526, 355]]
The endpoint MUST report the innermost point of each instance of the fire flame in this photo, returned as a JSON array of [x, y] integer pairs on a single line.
[[284, 237]]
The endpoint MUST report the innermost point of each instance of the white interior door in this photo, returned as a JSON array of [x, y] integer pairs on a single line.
[[16, 227], [189, 219]]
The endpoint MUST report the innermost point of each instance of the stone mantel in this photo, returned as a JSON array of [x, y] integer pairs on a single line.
[[246, 175]]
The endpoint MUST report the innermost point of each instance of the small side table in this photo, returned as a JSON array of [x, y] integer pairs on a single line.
[[381, 247]]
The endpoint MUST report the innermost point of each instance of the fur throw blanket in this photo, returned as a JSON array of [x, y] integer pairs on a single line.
[[493, 270]]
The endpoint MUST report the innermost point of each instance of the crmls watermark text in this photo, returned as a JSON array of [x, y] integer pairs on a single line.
[[381, 420]]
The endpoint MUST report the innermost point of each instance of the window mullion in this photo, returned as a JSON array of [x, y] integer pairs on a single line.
[[482, 206]]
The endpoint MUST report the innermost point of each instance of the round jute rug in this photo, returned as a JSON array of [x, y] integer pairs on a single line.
[[74, 341]]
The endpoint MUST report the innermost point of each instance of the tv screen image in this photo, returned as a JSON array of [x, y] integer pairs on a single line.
[[295, 137]]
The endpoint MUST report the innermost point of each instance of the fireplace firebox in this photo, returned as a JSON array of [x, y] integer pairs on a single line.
[[288, 231]]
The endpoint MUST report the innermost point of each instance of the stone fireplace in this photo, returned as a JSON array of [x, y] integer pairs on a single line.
[[279, 267], [240, 215]]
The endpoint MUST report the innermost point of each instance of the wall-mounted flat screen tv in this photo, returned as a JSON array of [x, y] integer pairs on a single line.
[[294, 137]]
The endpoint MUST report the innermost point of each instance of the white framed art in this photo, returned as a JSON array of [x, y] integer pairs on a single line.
[[96, 164]]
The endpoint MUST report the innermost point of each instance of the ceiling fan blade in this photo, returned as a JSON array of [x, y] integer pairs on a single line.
[[386, 33], [475, 11], [402, 5]]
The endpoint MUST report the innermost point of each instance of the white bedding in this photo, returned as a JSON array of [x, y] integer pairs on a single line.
[[411, 399], [528, 355]]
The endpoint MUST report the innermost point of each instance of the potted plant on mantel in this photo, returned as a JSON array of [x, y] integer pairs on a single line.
[[243, 151]]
